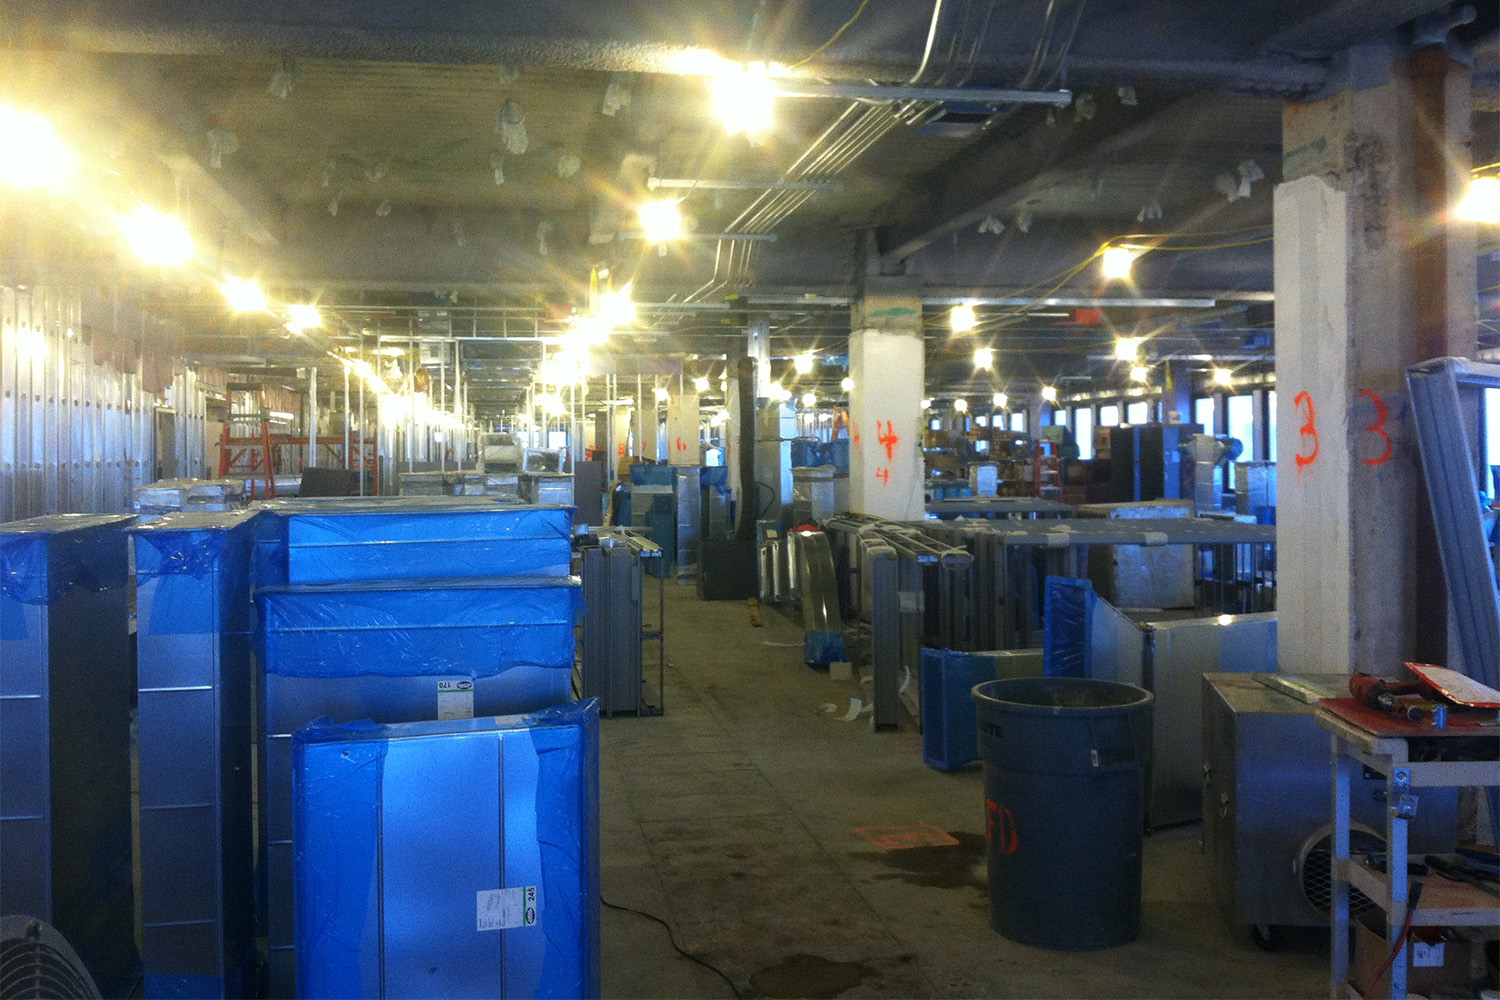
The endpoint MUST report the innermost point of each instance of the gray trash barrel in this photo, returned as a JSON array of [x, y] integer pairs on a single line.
[[1064, 785]]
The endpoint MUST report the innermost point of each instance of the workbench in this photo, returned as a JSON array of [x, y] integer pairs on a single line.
[[1386, 745]]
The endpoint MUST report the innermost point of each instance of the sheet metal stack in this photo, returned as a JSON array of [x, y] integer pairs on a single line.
[[401, 612], [65, 685], [168, 496]]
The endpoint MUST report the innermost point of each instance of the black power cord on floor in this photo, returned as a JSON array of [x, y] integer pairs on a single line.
[[672, 937]]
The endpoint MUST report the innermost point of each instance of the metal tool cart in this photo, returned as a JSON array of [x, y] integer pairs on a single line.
[[613, 666], [1385, 744]]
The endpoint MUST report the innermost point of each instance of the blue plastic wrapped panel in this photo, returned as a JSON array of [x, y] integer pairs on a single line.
[[452, 858], [398, 652], [821, 646], [65, 689], [1069, 609], [407, 539], [949, 719], [474, 627], [194, 622]]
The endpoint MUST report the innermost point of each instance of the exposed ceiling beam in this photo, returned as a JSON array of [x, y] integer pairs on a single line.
[[1006, 170]]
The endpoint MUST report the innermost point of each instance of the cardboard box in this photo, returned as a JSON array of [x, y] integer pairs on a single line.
[[1435, 960]]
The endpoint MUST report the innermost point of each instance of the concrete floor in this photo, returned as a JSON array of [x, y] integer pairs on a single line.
[[734, 817]]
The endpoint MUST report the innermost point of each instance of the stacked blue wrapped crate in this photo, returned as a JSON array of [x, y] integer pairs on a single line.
[[65, 687], [193, 628], [452, 858], [402, 613]]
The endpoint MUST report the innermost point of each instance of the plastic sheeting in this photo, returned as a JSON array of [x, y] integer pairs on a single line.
[[43, 558], [65, 691], [1065, 645], [196, 828], [476, 628], [413, 539], [454, 858]]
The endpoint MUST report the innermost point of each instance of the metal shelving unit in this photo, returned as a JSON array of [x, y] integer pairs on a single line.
[[1444, 903]]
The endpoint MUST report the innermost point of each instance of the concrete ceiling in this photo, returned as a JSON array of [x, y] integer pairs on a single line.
[[391, 114]]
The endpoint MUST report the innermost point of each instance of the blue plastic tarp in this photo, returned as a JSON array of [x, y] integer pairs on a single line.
[[476, 628], [194, 613], [455, 858], [43, 558], [1065, 643], [360, 540]]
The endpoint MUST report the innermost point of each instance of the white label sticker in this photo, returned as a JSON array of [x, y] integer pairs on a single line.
[[455, 699], [1427, 956], [502, 909]]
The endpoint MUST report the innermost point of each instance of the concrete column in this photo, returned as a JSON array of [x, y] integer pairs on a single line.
[[758, 346], [1177, 394], [646, 425], [1350, 229], [886, 362], [684, 442], [621, 450]]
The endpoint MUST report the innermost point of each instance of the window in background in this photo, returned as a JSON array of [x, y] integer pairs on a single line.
[[1271, 423], [557, 440], [1138, 413], [1060, 418], [1109, 416], [1083, 431], [1018, 421], [1203, 413], [1242, 425]]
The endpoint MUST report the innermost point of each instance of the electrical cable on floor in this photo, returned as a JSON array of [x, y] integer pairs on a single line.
[[672, 937]]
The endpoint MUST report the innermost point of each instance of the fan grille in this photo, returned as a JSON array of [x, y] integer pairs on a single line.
[[32, 969], [1317, 871]]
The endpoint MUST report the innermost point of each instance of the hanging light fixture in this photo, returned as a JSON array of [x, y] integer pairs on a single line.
[[157, 239], [1117, 262], [1049, 393], [744, 97], [803, 363], [809, 400], [1127, 348], [1139, 374], [962, 319], [662, 220], [1223, 376], [984, 357], [847, 385], [700, 384], [31, 154], [961, 405], [1001, 401], [244, 295], [1481, 203]]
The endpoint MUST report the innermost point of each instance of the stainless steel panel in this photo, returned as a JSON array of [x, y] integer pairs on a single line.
[[1180, 653], [1266, 793]]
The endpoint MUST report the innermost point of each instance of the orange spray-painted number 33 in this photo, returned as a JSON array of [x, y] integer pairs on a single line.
[[1308, 430]]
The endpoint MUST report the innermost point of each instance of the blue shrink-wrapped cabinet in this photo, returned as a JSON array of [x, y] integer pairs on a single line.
[[194, 621], [409, 538], [398, 651], [453, 859], [65, 687]]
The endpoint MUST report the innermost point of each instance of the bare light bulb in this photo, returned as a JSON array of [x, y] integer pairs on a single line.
[[1117, 262], [1001, 400], [961, 405], [1127, 348], [1049, 393], [962, 319], [984, 357]]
